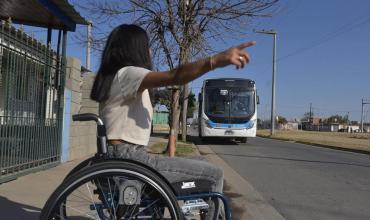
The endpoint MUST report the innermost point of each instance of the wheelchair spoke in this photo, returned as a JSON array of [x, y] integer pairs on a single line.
[[112, 196], [148, 206], [102, 192], [92, 200], [79, 211], [94, 193], [82, 197]]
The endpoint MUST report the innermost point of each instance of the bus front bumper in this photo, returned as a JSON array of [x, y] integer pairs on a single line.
[[232, 133]]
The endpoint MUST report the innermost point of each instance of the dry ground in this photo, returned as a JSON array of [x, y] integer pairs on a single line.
[[351, 141]]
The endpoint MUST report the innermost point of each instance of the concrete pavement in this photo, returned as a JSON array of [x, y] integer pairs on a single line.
[[24, 197], [302, 181], [246, 202]]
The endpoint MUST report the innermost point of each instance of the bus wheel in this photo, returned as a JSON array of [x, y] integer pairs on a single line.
[[243, 140], [205, 140]]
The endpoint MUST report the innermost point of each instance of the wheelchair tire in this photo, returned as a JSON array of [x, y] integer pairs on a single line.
[[84, 164], [96, 192]]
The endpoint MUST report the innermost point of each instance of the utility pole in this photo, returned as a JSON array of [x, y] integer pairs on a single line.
[[363, 102], [274, 33], [185, 89], [348, 122], [88, 45], [310, 120], [367, 112]]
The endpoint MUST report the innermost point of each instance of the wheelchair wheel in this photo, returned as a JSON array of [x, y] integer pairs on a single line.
[[84, 164], [112, 190]]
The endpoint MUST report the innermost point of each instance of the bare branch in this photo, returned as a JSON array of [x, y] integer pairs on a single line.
[[177, 30]]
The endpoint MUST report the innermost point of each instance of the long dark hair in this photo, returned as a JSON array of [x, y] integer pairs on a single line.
[[127, 45]]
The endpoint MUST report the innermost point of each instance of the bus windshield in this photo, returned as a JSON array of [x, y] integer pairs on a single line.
[[242, 102], [229, 104]]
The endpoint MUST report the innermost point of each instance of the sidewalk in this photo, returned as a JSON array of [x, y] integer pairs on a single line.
[[24, 197], [245, 201]]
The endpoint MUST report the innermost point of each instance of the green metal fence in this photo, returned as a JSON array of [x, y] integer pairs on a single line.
[[160, 118], [31, 86]]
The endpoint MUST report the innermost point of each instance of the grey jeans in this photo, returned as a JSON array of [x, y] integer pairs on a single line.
[[174, 169]]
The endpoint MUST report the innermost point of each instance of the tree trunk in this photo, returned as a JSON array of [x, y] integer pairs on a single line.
[[175, 114], [184, 112]]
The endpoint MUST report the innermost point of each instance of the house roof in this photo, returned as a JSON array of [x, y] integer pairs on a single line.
[[56, 14]]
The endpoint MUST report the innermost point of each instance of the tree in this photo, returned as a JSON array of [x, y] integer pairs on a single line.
[[161, 96], [191, 105], [307, 117], [337, 119], [180, 31], [281, 120]]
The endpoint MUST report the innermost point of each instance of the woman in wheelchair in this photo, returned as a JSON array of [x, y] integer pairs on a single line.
[[121, 88]]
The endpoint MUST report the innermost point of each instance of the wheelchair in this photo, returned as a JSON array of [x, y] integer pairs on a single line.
[[115, 189]]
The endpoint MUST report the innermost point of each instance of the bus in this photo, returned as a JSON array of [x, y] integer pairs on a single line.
[[227, 109]]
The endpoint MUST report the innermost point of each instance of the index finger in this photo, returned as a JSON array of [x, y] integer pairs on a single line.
[[246, 44]]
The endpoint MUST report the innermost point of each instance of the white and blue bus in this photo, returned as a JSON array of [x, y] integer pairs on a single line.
[[228, 109]]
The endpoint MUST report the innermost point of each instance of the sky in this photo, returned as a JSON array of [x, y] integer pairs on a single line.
[[323, 58]]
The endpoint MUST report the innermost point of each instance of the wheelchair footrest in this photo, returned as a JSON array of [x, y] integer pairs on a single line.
[[194, 207]]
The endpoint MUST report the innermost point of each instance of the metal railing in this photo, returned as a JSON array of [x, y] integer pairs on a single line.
[[31, 87]]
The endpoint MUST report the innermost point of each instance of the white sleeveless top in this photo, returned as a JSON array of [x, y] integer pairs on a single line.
[[127, 114]]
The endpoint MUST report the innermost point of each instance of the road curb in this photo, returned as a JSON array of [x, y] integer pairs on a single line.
[[247, 203]]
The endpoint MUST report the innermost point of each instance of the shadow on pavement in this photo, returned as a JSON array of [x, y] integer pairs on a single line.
[[196, 140], [211, 141], [236, 208], [11, 210], [159, 134]]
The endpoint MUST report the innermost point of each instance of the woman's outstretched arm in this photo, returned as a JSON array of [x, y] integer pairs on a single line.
[[185, 73]]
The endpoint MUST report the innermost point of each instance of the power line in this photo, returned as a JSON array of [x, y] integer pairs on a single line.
[[355, 23], [338, 32]]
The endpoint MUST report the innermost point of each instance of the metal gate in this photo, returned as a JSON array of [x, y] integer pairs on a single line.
[[31, 107]]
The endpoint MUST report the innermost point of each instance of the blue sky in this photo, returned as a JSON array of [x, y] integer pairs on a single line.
[[323, 52], [331, 66]]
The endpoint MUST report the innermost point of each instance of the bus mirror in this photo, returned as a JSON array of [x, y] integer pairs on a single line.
[[258, 100], [200, 97]]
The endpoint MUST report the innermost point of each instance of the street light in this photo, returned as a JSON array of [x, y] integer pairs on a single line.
[[88, 46], [365, 118], [274, 33], [363, 102]]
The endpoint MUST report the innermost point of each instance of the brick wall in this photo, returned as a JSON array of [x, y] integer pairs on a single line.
[[82, 135]]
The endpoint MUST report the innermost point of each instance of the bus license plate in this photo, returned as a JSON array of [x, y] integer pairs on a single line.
[[229, 132]]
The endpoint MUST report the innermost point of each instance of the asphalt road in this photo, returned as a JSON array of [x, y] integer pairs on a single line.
[[301, 181]]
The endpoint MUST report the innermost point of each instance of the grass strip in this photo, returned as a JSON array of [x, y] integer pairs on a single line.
[[336, 140], [182, 149]]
